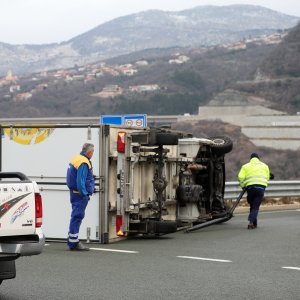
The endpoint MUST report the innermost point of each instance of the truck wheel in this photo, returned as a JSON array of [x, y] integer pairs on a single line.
[[221, 144], [163, 227], [163, 138]]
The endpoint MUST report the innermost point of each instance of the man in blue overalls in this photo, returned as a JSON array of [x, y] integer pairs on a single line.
[[80, 181]]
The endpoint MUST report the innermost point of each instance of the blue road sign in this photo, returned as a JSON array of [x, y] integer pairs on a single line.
[[113, 120], [126, 120]]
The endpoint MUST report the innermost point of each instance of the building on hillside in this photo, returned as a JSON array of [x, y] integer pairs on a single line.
[[238, 46], [142, 63], [110, 91], [180, 59], [90, 77], [41, 86], [105, 69], [79, 77], [60, 74], [144, 88], [127, 70], [8, 79], [14, 88], [23, 96]]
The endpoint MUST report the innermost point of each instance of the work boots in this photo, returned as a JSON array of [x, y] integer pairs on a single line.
[[251, 226], [80, 247]]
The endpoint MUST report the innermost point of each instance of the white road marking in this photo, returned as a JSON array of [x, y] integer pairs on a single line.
[[203, 258], [47, 244], [269, 212], [291, 268], [113, 250]]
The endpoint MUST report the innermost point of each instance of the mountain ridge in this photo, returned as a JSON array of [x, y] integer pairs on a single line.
[[199, 26]]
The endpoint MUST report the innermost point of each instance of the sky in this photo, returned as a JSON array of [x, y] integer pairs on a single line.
[[55, 21]]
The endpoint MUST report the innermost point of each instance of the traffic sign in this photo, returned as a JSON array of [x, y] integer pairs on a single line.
[[126, 120], [114, 120]]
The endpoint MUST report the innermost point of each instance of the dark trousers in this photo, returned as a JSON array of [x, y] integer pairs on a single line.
[[78, 211], [255, 196]]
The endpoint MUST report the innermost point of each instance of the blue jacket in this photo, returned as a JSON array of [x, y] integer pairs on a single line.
[[80, 175]]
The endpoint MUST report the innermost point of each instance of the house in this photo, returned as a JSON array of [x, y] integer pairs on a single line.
[[14, 88], [180, 59], [110, 91], [8, 79], [142, 63], [60, 74], [144, 88], [78, 77], [23, 96], [41, 87], [128, 72], [238, 46]]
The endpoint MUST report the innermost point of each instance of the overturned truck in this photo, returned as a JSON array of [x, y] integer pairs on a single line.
[[150, 181]]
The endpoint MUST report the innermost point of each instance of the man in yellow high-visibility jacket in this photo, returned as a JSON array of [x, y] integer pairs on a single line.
[[254, 176]]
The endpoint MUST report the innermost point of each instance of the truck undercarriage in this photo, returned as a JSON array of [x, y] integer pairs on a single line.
[[198, 181]]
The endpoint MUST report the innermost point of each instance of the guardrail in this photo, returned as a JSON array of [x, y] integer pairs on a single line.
[[275, 189]]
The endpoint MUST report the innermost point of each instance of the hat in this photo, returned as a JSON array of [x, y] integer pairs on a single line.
[[254, 155]]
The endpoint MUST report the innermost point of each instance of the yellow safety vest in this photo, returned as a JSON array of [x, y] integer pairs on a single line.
[[254, 172], [78, 160]]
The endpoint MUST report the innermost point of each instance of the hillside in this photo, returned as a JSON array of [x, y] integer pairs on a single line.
[[285, 59], [200, 26], [278, 77], [181, 87], [156, 82]]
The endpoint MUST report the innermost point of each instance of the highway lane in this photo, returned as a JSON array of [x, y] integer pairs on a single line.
[[224, 261]]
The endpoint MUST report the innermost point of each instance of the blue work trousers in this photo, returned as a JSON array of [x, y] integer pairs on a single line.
[[79, 205], [255, 196]]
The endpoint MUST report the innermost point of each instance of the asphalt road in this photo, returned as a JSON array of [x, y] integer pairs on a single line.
[[225, 261]]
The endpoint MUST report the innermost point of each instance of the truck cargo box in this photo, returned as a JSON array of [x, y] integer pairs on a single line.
[[148, 180]]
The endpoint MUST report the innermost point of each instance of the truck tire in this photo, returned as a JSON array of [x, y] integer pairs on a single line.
[[163, 138], [163, 227], [152, 227], [7, 270], [221, 145]]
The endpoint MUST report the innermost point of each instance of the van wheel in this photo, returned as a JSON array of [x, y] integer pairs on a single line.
[[221, 144]]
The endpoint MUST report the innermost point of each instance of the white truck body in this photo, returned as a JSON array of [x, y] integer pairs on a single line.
[[136, 190]]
